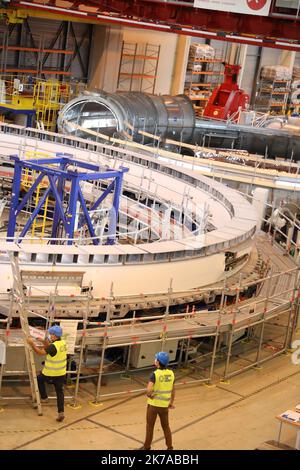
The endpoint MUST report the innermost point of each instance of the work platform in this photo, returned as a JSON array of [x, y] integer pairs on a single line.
[[70, 302], [277, 303]]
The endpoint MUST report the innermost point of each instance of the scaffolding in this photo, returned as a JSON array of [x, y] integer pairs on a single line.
[[237, 336], [138, 67], [14, 339], [17, 296]]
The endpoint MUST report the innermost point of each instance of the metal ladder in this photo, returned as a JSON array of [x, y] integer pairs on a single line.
[[18, 296]]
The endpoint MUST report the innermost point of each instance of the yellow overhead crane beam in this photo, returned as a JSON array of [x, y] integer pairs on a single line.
[[15, 16], [18, 15]]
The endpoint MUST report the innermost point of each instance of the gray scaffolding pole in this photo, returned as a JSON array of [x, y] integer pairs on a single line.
[[19, 298]]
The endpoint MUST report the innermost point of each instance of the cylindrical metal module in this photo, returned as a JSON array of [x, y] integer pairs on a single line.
[[110, 113]]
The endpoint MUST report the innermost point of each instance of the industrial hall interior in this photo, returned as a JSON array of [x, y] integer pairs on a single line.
[[150, 225]]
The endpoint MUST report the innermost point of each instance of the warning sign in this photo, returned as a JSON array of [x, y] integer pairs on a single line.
[[37, 333]]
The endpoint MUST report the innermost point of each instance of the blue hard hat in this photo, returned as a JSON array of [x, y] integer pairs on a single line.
[[163, 358], [55, 330]]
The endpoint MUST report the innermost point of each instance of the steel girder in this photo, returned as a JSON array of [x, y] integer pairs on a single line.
[[176, 14]]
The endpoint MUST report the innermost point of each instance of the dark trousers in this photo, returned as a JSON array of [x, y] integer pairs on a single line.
[[58, 383], [163, 413]]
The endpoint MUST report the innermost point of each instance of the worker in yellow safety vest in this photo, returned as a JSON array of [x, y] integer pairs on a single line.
[[54, 371], [161, 395]]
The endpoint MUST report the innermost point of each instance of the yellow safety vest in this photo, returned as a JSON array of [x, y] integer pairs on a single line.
[[55, 366], [164, 380]]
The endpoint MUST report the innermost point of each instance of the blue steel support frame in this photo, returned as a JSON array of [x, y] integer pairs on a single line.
[[57, 177], [59, 202], [15, 194], [34, 214], [115, 211], [87, 217], [60, 191], [98, 202], [71, 214]]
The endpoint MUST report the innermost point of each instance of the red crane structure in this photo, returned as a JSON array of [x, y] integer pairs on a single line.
[[227, 98]]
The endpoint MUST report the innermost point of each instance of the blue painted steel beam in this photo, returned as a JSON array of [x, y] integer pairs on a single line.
[[34, 164], [18, 111], [14, 200], [58, 202], [100, 199], [34, 214], [85, 165], [42, 161], [79, 163], [29, 193], [103, 196], [73, 162], [115, 210], [46, 171], [103, 176], [65, 156], [70, 173], [29, 113], [87, 217], [57, 178], [60, 191], [71, 214]]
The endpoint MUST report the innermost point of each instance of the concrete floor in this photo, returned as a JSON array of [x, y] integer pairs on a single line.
[[238, 415]]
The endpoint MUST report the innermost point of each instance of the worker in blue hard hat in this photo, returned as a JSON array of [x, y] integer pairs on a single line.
[[161, 395], [54, 371]]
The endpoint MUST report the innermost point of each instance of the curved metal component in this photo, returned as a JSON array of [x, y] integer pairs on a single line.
[[167, 253], [267, 141], [173, 117], [108, 113]]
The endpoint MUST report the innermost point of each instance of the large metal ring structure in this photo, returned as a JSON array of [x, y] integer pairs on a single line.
[[186, 263], [226, 223]]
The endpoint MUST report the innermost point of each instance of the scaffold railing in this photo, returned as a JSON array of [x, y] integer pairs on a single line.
[[248, 319]]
